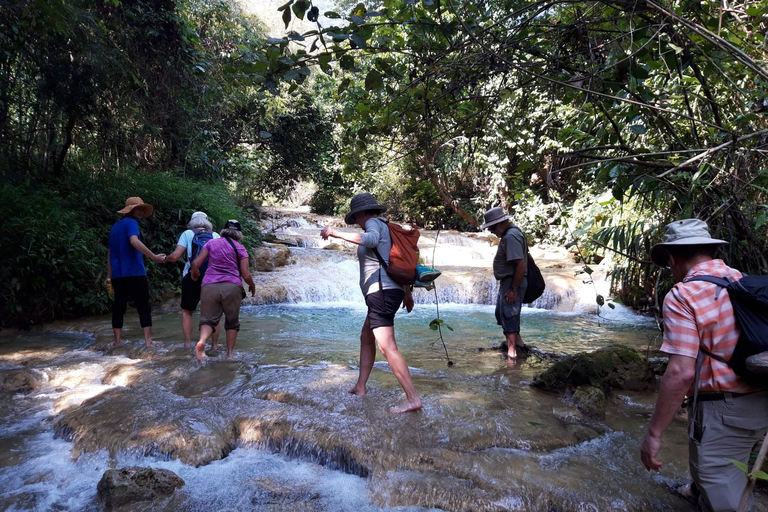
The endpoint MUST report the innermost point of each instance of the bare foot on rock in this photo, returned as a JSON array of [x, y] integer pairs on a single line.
[[357, 391], [200, 351], [406, 405]]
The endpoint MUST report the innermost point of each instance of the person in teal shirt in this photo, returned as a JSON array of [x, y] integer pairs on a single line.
[[125, 268]]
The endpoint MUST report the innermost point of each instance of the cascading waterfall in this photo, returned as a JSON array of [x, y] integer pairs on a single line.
[[320, 275]]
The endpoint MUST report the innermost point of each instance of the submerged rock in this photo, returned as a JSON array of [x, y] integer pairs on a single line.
[[119, 487], [614, 367], [590, 400], [18, 381]]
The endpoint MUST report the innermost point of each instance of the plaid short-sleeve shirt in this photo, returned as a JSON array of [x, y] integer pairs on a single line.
[[700, 314]]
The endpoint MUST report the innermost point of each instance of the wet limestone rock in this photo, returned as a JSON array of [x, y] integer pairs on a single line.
[[122, 374], [590, 400], [267, 259], [614, 367], [582, 433], [334, 247], [119, 487], [18, 381]]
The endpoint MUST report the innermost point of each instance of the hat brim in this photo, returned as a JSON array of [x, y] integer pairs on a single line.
[[148, 209], [659, 251], [500, 219], [350, 217]]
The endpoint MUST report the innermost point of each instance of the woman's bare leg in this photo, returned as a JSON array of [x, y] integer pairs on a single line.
[[187, 323], [231, 336], [367, 357], [385, 338], [205, 333]]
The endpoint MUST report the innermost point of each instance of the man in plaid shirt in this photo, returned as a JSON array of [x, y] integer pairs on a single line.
[[730, 416]]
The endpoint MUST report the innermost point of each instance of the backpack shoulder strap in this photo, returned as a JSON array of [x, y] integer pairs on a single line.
[[719, 281]]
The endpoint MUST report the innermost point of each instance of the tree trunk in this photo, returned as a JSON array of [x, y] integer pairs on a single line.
[[426, 162]]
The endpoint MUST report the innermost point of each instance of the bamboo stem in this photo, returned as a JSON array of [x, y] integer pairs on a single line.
[[751, 479]]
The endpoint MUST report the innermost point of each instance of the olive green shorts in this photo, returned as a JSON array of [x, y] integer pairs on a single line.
[[221, 298]]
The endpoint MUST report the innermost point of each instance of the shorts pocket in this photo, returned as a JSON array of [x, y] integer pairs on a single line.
[[745, 423]]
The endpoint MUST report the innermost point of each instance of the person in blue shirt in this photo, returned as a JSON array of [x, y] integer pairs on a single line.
[[125, 268]]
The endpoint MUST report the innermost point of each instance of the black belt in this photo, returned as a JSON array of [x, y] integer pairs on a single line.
[[708, 397]]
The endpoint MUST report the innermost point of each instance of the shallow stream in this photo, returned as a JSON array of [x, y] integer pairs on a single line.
[[275, 429]]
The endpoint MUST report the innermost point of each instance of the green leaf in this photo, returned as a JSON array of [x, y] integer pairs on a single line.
[[358, 41], [639, 72], [762, 475], [600, 300], [738, 464], [313, 14], [287, 17], [536, 424], [344, 85], [347, 62], [611, 305], [638, 129], [373, 80], [292, 74], [285, 6], [332, 15], [299, 8], [588, 270], [325, 62]]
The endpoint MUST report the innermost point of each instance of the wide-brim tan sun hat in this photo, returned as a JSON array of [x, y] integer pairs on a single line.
[[683, 232], [361, 203], [494, 216], [133, 203]]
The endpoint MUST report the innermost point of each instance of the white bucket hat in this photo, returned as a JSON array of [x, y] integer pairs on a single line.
[[683, 232], [198, 214]]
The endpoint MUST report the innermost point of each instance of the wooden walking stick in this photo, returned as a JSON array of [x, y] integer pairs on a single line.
[[757, 364]]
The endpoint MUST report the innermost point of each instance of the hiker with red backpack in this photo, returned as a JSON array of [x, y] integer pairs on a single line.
[[199, 232], [713, 318], [383, 295]]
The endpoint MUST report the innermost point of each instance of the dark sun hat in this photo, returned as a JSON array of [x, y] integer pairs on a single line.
[[233, 224], [494, 216], [361, 203], [683, 232]]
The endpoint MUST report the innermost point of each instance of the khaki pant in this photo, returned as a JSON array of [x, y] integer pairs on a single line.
[[221, 298], [720, 430]]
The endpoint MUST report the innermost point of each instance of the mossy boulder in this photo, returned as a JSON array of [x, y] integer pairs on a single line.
[[613, 367]]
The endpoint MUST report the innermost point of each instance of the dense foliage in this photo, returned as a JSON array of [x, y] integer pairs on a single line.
[[595, 122], [102, 100], [55, 260], [543, 104]]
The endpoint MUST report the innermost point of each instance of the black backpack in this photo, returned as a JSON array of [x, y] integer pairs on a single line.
[[536, 282], [749, 296], [202, 236]]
